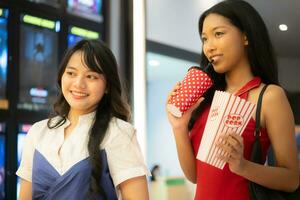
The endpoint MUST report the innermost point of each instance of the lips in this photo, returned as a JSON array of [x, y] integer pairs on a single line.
[[78, 94], [215, 57]]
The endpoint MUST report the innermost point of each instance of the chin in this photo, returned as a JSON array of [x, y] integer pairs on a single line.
[[220, 69]]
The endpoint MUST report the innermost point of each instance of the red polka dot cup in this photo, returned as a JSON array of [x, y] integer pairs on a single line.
[[195, 83]]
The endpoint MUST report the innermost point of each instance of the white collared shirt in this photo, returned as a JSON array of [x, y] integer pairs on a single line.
[[124, 157]]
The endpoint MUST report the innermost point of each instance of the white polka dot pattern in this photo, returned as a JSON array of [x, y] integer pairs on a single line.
[[193, 86]]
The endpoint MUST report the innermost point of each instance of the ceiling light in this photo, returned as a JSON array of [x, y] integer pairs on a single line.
[[283, 27], [154, 63]]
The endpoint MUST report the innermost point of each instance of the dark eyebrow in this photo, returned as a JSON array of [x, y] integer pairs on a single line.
[[217, 27], [74, 68], [70, 67]]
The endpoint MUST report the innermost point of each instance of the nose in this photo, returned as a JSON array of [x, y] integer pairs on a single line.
[[79, 82], [209, 46]]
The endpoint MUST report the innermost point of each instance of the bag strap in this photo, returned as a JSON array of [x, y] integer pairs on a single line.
[[258, 110], [256, 147]]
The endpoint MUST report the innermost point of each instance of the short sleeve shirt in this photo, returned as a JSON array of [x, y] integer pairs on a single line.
[[124, 156]]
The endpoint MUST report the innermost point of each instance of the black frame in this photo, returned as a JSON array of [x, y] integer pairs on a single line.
[[13, 116], [294, 99], [126, 47], [167, 50], [171, 51]]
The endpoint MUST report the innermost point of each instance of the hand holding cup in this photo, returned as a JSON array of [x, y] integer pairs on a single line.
[[188, 92]]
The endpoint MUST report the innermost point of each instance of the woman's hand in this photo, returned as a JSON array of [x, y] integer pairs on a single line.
[[233, 146], [181, 123]]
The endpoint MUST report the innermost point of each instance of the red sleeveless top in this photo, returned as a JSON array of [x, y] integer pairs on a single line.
[[214, 183]]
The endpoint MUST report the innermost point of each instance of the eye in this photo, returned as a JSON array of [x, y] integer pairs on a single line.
[[70, 73], [92, 77], [219, 34], [204, 39]]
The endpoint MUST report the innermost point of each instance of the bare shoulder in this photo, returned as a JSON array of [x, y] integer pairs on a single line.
[[275, 105], [274, 93]]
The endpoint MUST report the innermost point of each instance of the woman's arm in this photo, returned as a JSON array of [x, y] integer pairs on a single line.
[[135, 188], [279, 122], [185, 152], [25, 190], [280, 125]]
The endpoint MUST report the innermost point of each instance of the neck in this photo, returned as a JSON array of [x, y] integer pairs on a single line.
[[238, 77], [73, 117], [74, 114]]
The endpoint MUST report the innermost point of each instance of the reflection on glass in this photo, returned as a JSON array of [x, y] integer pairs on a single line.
[[90, 9], [54, 3], [76, 34], [3, 57], [38, 64], [23, 129], [2, 160]]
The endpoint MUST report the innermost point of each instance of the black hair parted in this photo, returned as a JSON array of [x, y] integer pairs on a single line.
[[99, 58], [260, 51]]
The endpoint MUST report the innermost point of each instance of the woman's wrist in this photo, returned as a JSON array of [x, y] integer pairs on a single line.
[[180, 130], [243, 168]]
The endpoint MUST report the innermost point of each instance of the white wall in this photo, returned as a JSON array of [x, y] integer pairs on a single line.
[[175, 22]]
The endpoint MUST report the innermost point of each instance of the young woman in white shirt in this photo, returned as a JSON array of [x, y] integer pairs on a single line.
[[88, 150]]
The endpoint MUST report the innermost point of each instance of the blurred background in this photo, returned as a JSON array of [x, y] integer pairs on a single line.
[[154, 41]]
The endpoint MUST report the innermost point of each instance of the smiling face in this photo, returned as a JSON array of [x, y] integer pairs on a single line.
[[82, 88], [223, 43]]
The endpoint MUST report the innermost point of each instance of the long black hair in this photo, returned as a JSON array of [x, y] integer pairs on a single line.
[[259, 50], [99, 58]]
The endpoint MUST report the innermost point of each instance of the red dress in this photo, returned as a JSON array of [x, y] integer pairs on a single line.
[[217, 184]]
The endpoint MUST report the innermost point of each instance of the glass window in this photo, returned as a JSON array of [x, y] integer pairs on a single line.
[[163, 72]]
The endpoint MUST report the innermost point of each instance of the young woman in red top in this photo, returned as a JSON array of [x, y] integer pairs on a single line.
[[235, 37]]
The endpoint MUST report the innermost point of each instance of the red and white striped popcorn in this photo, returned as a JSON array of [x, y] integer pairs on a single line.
[[228, 113]]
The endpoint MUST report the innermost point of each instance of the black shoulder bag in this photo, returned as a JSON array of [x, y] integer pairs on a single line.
[[258, 192]]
